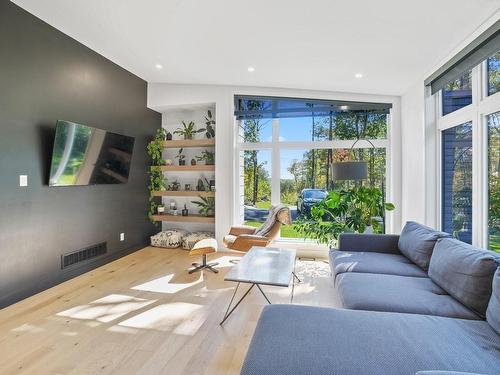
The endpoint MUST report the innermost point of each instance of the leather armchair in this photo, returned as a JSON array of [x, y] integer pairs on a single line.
[[244, 237]]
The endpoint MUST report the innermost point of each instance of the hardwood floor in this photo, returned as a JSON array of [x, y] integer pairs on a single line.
[[143, 314]]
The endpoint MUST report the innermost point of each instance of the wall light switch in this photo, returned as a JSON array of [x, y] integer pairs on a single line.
[[23, 180], [122, 236]]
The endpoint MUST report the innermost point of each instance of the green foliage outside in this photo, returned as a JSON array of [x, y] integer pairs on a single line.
[[342, 211]]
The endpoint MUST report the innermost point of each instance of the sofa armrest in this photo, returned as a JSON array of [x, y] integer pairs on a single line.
[[377, 243], [237, 230]]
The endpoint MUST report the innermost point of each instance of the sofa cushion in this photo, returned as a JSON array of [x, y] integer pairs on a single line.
[[369, 262], [493, 311], [417, 295], [191, 239], [300, 340], [438, 372], [417, 241], [464, 272]]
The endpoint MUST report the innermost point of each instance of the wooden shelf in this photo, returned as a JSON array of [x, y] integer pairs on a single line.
[[185, 168], [183, 193], [189, 143], [185, 219]]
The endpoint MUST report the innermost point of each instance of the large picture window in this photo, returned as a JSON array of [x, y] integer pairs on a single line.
[[470, 155], [287, 147], [457, 181]]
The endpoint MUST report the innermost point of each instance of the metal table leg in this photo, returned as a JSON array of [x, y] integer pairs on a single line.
[[229, 312]]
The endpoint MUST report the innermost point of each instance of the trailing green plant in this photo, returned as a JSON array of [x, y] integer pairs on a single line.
[[209, 125], [187, 130], [155, 147], [157, 182], [206, 206], [342, 211], [207, 156]]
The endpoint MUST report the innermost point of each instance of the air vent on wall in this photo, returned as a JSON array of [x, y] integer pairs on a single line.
[[82, 255]]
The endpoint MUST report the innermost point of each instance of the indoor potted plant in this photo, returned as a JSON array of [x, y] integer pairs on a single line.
[[187, 130], [206, 206], [209, 125], [207, 156], [181, 157]]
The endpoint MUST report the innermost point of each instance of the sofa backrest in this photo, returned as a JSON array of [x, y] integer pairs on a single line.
[[417, 242], [465, 272], [493, 311]]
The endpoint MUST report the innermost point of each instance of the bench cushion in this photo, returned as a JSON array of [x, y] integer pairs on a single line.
[[464, 271], [369, 262], [416, 295], [417, 242], [302, 340]]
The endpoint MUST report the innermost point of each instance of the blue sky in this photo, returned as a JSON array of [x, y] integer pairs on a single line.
[[291, 129]]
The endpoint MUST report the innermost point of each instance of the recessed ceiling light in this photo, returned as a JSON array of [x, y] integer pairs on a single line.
[[344, 107], [251, 69], [358, 75], [158, 66]]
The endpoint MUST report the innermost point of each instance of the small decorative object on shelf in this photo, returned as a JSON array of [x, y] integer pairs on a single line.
[[212, 185], [209, 125], [207, 156], [185, 211], [161, 209], [206, 206], [181, 157], [168, 162], [188, 130], [193, 161], [187, 187], [200, 186], [169, 136], [176, 186]]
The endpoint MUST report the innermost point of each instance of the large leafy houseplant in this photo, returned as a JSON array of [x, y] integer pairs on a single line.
[[352, 210], [209, 125]]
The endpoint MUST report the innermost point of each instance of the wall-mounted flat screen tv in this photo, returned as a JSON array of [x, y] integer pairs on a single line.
[[83, 155]]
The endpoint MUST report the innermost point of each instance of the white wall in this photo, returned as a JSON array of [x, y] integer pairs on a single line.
[[418, 142], [413, 154], [165, 97]]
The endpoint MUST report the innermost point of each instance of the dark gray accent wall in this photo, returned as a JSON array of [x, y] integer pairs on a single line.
[[46, 76]]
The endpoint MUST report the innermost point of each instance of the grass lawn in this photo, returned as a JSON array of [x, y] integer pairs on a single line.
[[287, 231], [264, 205], [495, 243]]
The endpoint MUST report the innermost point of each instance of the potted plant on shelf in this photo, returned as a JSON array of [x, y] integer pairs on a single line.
[[187, 130], [207, 156], [209, 125], [161, 209], [155, 148], [181, 157], [206, 206]]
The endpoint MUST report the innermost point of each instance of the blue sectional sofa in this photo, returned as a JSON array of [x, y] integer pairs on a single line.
[[415, 303]]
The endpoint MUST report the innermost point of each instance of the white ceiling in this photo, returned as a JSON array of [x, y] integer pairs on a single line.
[[313, 44]]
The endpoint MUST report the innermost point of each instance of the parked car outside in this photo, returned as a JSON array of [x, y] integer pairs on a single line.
[[308, 198]]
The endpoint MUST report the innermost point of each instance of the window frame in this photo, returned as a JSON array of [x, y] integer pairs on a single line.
[[477, 112], [276, 146]]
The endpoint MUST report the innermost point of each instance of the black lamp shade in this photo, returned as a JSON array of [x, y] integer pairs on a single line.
[[350, 170]]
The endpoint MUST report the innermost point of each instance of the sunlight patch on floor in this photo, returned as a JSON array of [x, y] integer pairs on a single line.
[[165, 285], [28, 328], [180, 317], [106, 309]]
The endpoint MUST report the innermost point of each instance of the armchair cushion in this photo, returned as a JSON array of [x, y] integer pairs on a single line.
[[493, 311]]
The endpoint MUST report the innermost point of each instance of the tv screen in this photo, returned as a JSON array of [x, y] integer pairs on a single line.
[[83, 155]]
